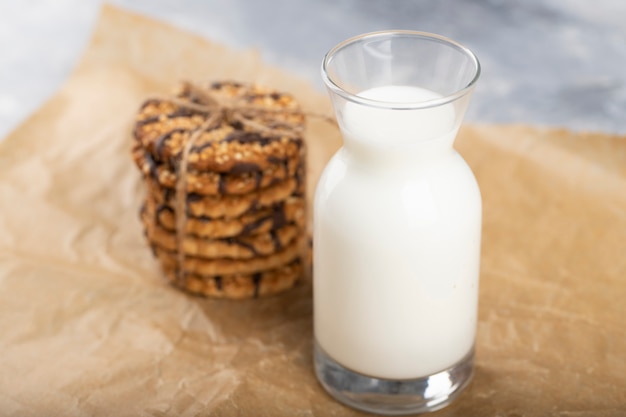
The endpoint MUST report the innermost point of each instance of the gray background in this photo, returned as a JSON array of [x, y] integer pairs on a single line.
[[550, 62]]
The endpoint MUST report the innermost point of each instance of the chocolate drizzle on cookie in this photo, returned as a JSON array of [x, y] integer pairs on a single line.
[[200, 148], [243, 244], [191, 197], [298, 176], [251, 227], [258, 177], [244, 167], [152, 166], [249, 137], [180, 112], [218, 282], [160, 209], [256, 280], [276, 160], [159, 143], [276, 240], [278, 216], [221, 184]]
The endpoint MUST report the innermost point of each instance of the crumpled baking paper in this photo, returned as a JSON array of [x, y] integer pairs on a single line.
[[88, 327]]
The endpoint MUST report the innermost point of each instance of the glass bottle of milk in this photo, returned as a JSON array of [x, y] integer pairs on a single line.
[[397, 226]]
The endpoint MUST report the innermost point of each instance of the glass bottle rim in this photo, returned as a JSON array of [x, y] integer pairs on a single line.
[[334, 87]]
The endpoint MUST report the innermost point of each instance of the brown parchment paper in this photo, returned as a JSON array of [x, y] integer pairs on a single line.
[[89, 328]]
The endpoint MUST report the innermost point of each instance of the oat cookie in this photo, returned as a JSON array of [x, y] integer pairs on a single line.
[[214, 183], [236, 144], [223, 266], [227, 206], [240, 286], [244, 178], [239, 247], [290, 211]]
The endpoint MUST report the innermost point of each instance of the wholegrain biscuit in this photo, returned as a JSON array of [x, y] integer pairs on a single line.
[[239, 247], [266, 128], [238, 152], [289, 211], [224, 266], [214, 183], [240, 286], [226, 206]]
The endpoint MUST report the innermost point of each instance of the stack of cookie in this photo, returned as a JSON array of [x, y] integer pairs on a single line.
[[243, 190]]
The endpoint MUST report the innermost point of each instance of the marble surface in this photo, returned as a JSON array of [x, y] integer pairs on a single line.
[[545, 62]]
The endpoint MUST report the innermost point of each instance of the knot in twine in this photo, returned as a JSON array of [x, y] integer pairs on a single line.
[[219, 111]]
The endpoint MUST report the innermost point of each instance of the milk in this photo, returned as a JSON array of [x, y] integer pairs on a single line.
[[397, 218]]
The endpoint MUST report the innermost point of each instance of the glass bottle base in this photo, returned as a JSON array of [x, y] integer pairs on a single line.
[[393, 397]]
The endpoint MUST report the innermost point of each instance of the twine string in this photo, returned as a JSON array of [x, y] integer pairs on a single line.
[[219, 111]]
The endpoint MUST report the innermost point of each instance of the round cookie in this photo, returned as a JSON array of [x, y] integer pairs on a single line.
[[245, 229], [214, 183], [223, 266], [240, 247], [240, 286], [263, 220], [266, 128], [226, 206]]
